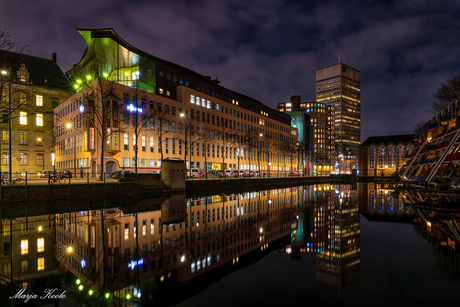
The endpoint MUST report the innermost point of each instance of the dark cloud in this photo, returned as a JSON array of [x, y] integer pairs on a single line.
[[271, 49]]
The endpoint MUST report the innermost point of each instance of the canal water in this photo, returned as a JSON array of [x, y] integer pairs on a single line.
[[320, 244]]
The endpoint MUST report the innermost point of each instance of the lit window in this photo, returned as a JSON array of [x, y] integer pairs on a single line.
[[40, 245], [40, 264], [39, 120], [39, 100], [160, 90], [23, 118], [24, 247]]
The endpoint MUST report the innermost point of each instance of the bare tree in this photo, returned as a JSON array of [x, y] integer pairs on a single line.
[[140, 120], [250, 142], [101, 113], [447, 93]]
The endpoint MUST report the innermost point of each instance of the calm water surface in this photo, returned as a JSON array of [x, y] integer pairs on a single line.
[[325, 244]]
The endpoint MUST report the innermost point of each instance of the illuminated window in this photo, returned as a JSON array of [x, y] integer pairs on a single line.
[[40, 245], [40, 264], [23, 118], [39, 100], [160, 90], [126, 231], [24, 247], [152, 227], [39, 120], [144, 228]]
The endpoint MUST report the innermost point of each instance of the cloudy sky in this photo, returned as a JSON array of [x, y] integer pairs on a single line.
[[270, 49]]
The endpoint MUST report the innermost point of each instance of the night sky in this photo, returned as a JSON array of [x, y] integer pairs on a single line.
[[270, 49]]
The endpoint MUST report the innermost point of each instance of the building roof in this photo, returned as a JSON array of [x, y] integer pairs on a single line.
[[387, 139], [126, 54], [42, 72]]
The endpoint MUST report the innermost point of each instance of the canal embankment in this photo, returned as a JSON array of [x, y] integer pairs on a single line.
[[152, 185]]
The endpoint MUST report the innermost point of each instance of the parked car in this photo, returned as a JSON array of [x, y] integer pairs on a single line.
[[47, 174], [254, 174], [226, 173], [65, 174], [295, 173], [240, 173], [194, 173], [119, 174]]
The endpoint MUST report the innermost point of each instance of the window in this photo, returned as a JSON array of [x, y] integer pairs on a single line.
[[5, 137], [152, 144], [126, 117], [167, 145], [23, 157], [144, 228], [144, 162], [39, 120], [24, 247], [381, 157], [372, 157], [40, 264], [5, 117], [126, 234], [23, 118], [40, 245], [125, 141], [40, 160], [23, 137], [39, 100], [134, 142], [144, 143], [6, 160]]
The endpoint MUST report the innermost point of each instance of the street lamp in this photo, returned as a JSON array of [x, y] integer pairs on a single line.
[[4, 72], [41, 139], [69, 126]]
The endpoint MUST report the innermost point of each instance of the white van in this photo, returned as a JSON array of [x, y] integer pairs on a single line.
[[194, 173]]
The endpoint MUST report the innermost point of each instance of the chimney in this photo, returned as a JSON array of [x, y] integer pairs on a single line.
[[54, 58]]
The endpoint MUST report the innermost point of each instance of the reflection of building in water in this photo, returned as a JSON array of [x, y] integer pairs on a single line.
[[141, 247], [338, 227], [443, 233], [27, 252], [329, 226], [375, 202]]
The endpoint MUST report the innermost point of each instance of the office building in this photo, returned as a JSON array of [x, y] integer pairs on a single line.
[[339, 86], [319, 133], [164, 110]]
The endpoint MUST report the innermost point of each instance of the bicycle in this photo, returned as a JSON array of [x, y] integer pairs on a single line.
[[6, 181], [57, 179]]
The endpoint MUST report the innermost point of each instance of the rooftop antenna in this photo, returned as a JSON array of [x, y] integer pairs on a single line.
[[339, 58]]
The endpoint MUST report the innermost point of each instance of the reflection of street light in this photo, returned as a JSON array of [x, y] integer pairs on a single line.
[[69, 126], [4, 72]]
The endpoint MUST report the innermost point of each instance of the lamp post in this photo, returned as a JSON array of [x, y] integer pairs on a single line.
[[42, 140], [69, 126], [4, 72]]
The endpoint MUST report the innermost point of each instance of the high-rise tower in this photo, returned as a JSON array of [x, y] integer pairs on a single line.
[[339, 85]]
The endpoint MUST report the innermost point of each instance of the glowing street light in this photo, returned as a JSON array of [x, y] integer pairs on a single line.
[[69, 126]]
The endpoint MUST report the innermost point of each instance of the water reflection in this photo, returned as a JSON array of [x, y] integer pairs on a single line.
[[329, 226], [164, 250]]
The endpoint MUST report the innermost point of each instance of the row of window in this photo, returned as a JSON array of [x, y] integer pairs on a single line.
[[23, 118]]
